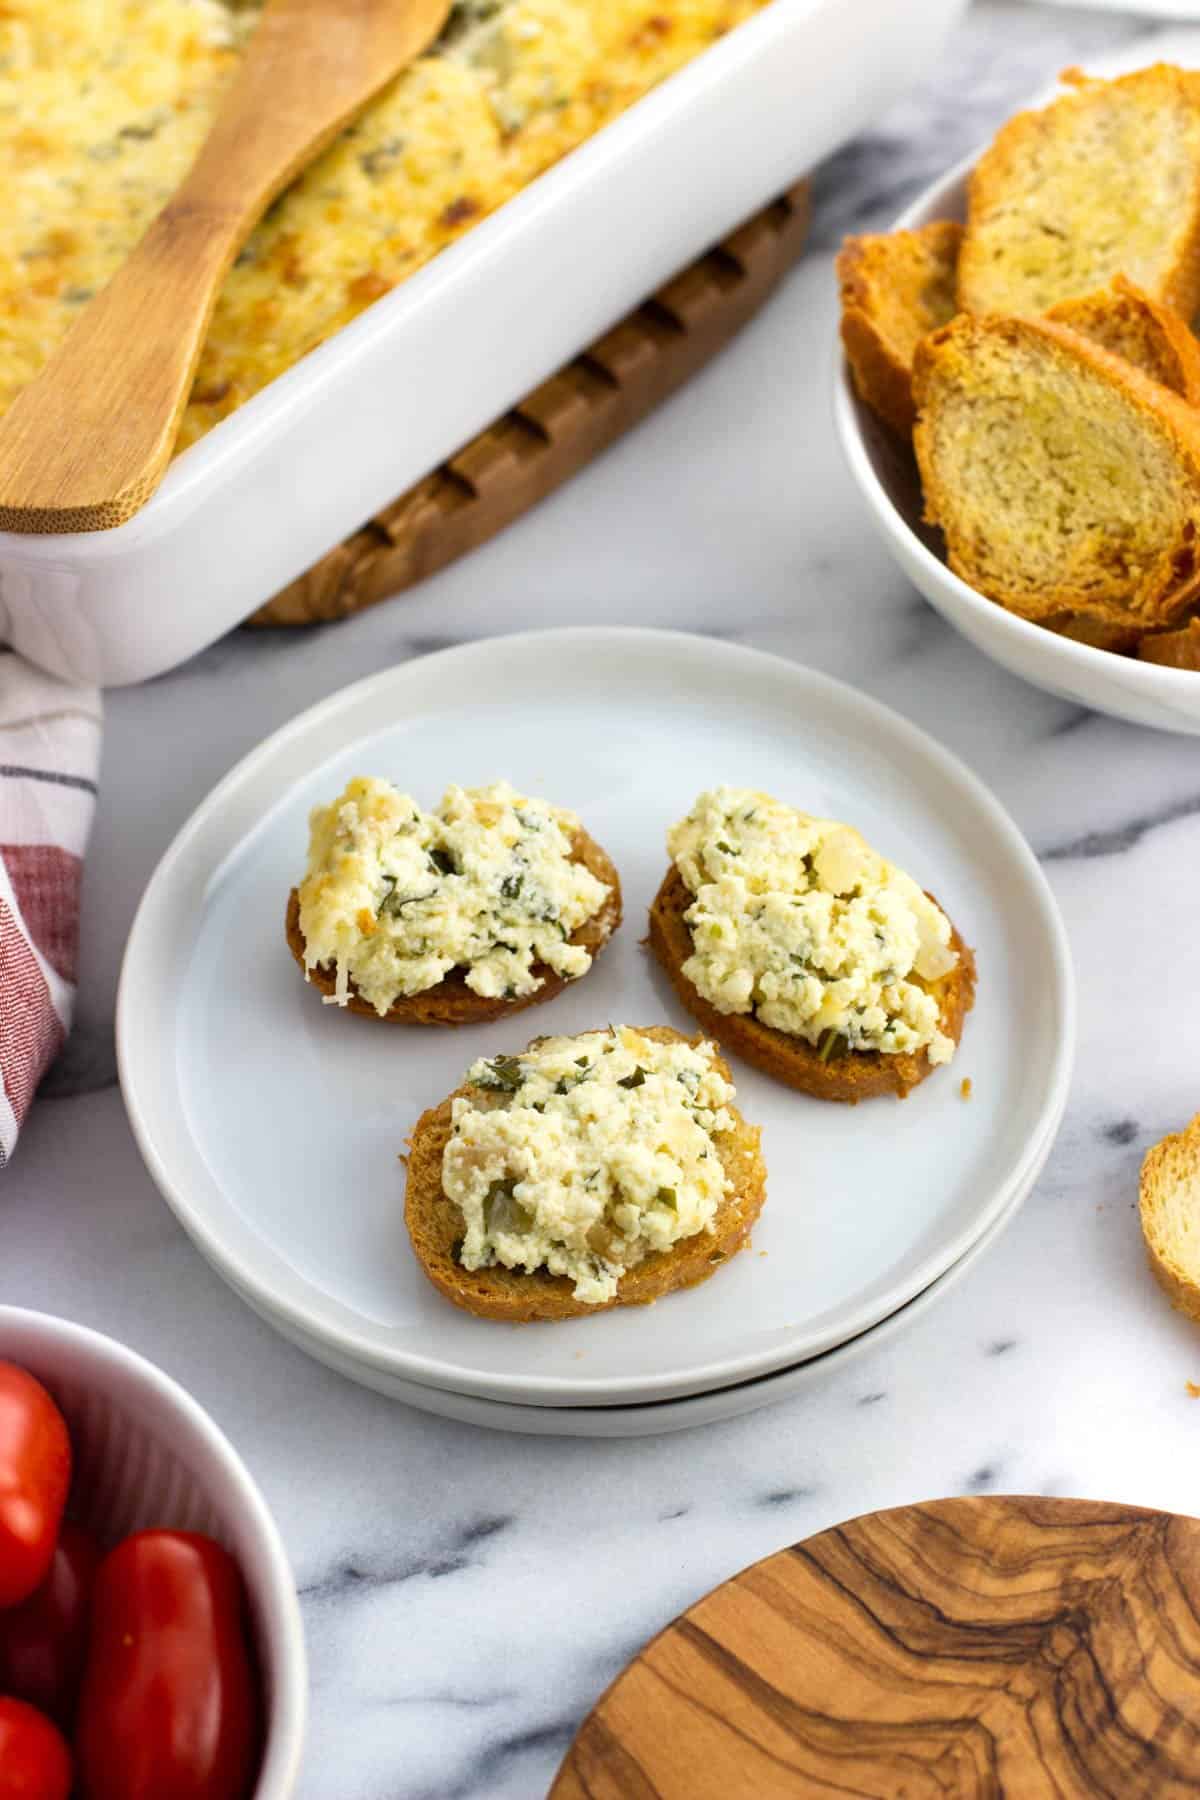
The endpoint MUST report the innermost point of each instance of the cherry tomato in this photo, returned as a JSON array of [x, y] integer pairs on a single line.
[[169, 1703], [35, 1472], [35, 1763], [44, 1640]]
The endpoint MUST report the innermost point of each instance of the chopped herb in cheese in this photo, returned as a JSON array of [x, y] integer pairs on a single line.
[[800, 922], [394, 897], [104, 103], [586, 1154]]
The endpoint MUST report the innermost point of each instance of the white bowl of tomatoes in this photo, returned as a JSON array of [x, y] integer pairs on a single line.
[[150, 1636]]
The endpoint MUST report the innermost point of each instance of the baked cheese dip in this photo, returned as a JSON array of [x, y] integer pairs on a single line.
[[585, 1154], [394, 897], [799, 921], [104, 103]]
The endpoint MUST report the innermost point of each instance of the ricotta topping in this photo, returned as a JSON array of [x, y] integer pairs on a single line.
[[587, 1153], [395, 897], [801, 922]]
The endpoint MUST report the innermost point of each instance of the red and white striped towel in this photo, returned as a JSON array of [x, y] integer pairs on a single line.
[[49, 755]]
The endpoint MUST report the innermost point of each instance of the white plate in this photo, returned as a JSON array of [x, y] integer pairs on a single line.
[[652, 1418], [887, 477], [272, 1123], [363, 416]]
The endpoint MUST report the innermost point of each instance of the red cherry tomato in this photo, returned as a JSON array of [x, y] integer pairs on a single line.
[[35, 1472], [44, 1640], [169, 1703], [35, 1763]]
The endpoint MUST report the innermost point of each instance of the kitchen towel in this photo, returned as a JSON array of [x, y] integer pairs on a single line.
[[49, 756]]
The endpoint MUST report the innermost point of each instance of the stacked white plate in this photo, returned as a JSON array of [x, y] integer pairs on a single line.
[[273, 1124]]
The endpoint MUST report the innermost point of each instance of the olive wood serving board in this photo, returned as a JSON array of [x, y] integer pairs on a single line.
[[973, 1649], [558, 428]]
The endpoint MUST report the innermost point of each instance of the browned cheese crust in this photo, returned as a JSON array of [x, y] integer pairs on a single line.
[[435, 1226], [859, 1075], [452, 1002]]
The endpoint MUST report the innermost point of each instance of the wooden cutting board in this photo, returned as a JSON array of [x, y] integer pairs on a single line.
[[554, 431], [976, 1649]]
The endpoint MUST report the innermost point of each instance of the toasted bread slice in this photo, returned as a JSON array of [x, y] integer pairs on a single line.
[[1101, 633], [1173, 649], [452, 1002], [896, 288], [1064, 480], [1131, 325], [435, 1226], [859, 1075], [1104, 181], [1169, 1205]]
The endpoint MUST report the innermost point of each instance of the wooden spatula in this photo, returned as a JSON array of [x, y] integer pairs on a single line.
[[87, 442]]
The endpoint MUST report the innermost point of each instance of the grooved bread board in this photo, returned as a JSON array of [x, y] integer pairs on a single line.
[[974, 1649], [558, 428]]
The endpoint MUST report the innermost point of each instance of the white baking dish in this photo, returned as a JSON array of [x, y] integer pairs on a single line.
[[356, 422]]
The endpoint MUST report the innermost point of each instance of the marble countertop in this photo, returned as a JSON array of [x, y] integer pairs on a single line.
[[467, 1594]]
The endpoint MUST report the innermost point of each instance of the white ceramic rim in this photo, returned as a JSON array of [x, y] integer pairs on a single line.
[[240, 1256], [235, 440], [288, 1711], [1179, 12], [648, 1418], [1148, 681]]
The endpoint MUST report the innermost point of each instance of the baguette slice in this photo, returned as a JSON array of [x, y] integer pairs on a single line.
[[435, 1226], [1100, 633], [1064, 481], [859, 1075], [1131, 325], [1173, 649], [1104, 181], [452, 1002], [1169, 1206], [895, 289]]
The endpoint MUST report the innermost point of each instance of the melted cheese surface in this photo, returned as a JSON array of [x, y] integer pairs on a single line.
[[799, 921], [586, 1154], [394, 897], [104, 103]]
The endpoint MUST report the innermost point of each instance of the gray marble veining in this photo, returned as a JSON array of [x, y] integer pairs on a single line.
[[467, 1595]]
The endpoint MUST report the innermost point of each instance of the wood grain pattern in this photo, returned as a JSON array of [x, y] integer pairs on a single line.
[[975, 1649], [87, 442], [545, 440]]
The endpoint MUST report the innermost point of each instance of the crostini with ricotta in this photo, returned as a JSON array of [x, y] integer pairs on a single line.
[[489, 904], [799, 947], [599, 1170]]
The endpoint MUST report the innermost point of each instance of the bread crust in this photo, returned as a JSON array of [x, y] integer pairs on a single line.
[[451, 1001], [1167, 1164], [874, 269], [1166, 593], [859, 1075], [1033, 136], [1173, 649], [435, 1228], [1155, 339]]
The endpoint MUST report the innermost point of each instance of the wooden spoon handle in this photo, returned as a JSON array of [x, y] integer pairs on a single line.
[[88, 441]]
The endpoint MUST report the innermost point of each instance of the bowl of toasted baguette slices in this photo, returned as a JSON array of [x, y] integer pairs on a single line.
[[1019, 396]]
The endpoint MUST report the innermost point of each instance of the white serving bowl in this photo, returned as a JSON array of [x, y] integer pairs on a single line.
[[886, 475], [145, 1454]]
